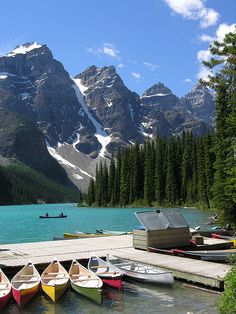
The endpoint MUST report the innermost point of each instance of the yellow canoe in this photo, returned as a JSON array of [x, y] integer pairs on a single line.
[[55, 280], [233, 241], [84, 235]]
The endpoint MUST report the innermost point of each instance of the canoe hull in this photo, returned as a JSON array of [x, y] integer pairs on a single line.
[[94, 294], [83, 235], [4, 300], [161, 279], [23, 296], [215, 256], [114, 282], [54, 291]]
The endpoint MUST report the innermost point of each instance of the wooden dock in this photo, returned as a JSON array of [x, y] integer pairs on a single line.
[[13, 256]]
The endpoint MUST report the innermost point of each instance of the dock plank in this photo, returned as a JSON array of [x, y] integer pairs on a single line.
[[196, 271]]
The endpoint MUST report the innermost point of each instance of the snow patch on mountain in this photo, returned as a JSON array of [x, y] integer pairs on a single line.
[[141, 129], [103, 138], [65, 162], [154, 95], [23, 49]]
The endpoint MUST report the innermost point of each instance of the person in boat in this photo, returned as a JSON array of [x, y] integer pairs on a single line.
[[46, 214], [61, 214]]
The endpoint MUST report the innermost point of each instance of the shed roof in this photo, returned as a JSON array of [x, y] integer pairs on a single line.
[[161, 220]]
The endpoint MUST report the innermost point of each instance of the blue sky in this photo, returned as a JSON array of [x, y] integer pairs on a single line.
[[147, 40]]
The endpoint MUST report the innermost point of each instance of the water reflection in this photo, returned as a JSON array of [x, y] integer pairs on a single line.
[[134, 298]]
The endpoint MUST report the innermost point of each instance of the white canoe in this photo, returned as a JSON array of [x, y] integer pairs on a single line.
[[142, 272]]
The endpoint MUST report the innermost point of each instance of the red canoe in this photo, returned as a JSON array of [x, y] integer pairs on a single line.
[[109, 274], [5, 289], [25, 284]]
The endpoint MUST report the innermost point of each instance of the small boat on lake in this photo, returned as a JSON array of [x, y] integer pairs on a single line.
[[212, 255], [111, 232], [142, 272], [55, 280], [85, 282], [109, 274], [5, 289], [47, 217], [25, 284]]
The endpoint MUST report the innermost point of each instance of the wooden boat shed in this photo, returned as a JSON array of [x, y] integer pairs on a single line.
[[161, 229]]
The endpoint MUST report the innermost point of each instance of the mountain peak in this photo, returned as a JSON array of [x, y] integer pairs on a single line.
[[159, 89], [23, 49], [199, 88]]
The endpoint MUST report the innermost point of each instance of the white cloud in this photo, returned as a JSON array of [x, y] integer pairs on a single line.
[[187, 80], [203, 73], [106, 49], [205, 55], [121, 65], [206, 38], [194, 10], [136, 75], [151, 66], [222, 30]]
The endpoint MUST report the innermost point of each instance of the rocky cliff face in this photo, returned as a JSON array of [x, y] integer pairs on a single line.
[[112, 104], [164, 114], [86, 118], [200, 102], [34, 84]]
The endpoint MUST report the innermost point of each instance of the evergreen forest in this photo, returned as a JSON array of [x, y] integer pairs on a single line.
[[178, 171], [20, 184]]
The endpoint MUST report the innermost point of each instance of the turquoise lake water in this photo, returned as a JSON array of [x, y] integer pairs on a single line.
[[22, 224]]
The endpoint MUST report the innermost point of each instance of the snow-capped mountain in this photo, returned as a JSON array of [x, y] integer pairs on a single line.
[[85, 119]]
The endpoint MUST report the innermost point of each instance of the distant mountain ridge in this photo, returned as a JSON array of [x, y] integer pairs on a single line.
[[86, 118]]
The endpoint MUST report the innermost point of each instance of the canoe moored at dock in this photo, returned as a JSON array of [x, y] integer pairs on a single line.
[[55, 280], [83, 235], [111, 232], [5, 289], [212, 255], [142, 272], [25, 284], [232, 239], [109, 274], [85, 282]]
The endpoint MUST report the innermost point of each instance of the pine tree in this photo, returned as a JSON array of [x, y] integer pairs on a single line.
[[149, 172], [159, 170], [171, 174], [91, 192], [223, 81], [111, 182]]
